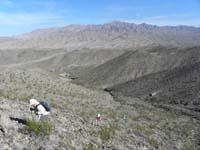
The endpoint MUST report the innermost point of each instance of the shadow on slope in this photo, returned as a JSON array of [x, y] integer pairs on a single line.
[[177, 87]]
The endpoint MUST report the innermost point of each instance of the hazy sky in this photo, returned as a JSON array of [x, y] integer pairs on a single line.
[[19, 16]]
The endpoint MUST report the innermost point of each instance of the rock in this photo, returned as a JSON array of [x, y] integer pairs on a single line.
[[96, 141]]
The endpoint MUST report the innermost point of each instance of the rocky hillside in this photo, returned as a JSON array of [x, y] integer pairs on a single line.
[[134, 64], [123, 127], [73, 62], [177, 87], [143, 80], [58, 61], [118, 35]]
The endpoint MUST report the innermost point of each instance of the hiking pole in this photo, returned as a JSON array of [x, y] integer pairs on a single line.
[[32, 116]]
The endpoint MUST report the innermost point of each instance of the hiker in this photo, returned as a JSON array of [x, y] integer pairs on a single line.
[[42, 109], [98, 118]]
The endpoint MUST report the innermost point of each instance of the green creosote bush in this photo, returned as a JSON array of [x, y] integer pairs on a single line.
[[40, 128], [106, 132], [189, 146], [5, 94], [25, 97], [88, 147], [153, 142], [144, 130], [88, 114], [1, 93], [56, 105], [66, 142]]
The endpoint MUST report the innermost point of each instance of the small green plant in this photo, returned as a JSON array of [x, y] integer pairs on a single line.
[[40, 128], [88, 114], [153, 142], [56, 105], [66, 142], [106, 132], [4, 94], [88, 147], [1, 93], [144, 130], [61, 136], [136, 118], [188, 146], [24, 98]]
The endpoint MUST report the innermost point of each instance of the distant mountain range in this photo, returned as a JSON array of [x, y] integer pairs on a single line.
[[118, 35]]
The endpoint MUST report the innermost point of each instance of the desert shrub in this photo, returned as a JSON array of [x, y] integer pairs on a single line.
[[1, 93], [88, 147], [40, 128], [66, 142], [189, 146], [106, 132], [144, 130], [56, 105], [4, 94], [24, 97], [153, 142], [87, 114]]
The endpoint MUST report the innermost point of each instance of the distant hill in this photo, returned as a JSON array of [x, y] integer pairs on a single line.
[[5, 39], [118, 35], [134, 64], [71, 62]]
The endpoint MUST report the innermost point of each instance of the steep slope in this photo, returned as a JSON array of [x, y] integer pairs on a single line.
[[134, 64], [178, 87], [116, 35], [74, 109]]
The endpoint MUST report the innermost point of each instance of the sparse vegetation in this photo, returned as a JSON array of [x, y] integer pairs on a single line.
[[65, 141], [25, 97], [107, 131], [145, 130], [88, 147], [56, 105], [153, 142], [1, 93], [87, 115], [189, 146], [43, 128], [126, 121], [5, 94]]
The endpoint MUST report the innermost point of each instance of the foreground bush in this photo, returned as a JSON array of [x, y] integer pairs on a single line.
[[106, 132], [40, 128]]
